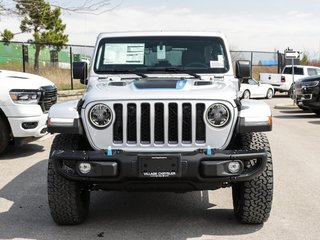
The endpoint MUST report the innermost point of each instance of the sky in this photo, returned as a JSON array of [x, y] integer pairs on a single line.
[[248, 24]]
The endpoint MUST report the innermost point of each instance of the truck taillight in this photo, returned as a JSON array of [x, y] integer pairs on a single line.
[[283, 79]]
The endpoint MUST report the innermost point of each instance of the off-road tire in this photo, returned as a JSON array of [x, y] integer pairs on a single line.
[[68, 201], [4, 135], [252, 199]]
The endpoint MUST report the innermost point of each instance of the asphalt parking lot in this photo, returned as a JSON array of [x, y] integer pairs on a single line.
[[295, 142]]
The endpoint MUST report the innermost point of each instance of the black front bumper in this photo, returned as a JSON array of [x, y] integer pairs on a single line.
[[309, 97], [175, 171]]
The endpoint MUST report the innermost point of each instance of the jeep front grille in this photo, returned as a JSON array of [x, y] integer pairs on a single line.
[[159, 123], [48, 98]]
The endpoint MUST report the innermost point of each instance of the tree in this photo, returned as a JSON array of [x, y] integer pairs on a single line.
[[305, 59], [95, 7], [85, 6], [7, 36], [4, 8], [44, 23]]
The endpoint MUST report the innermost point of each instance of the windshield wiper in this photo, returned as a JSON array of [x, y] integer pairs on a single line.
[[133, 71], [175, 70]]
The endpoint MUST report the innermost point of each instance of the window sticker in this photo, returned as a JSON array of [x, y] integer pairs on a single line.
[[120, 53], [161, 52], [219, 63]]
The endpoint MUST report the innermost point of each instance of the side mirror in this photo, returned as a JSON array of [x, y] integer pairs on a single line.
[[243, 69], [80, 71]]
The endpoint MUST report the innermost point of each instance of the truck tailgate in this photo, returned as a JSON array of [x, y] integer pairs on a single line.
[[270, 78]]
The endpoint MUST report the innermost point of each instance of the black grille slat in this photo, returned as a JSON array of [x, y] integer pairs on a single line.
[[50, 93], [186, 123], [132, 123], [173, 123], [145, 123], [200, 124], [159, 123], [117, 126]]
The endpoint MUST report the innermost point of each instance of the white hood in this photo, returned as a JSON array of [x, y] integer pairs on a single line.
[[18, 80], [152, 89]]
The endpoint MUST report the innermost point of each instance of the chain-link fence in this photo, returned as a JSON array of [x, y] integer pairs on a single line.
[[54, 65], [57, 65]]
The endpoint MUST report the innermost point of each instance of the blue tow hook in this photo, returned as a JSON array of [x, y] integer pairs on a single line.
[[109, 151], [209, 151]]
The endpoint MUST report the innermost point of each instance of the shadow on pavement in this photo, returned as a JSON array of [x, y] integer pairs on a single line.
[[280, 95], [315, 122], [25, 150], [294, 114], [115, 215]]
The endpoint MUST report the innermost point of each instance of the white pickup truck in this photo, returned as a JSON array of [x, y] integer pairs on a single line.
[[282, 82], [25, 100]]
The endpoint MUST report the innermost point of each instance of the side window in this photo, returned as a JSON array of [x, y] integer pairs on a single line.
[[318, 71], [245, 81], [252, 82], [312, 71], [296, 70]]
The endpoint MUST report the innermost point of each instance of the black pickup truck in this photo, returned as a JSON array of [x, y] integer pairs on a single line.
[[308, 93]]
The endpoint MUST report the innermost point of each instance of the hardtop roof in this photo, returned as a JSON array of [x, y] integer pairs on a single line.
[[160, 33]]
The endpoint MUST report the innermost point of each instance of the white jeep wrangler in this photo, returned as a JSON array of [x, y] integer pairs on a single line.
[[161, 113], [25, 100]]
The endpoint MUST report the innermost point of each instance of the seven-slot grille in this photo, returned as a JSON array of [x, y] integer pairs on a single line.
[[159, 123], [48, 98]]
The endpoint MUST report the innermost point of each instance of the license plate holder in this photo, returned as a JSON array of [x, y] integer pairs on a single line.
[[159, 166]]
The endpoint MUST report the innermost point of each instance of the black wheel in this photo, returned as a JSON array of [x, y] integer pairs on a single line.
[[252, 199], [269, 93], [303, 108], [68, 200], [246, 94], [291, 92], [316, 111], [4, 135]]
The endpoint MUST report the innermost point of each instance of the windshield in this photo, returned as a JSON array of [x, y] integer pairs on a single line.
[[158, 54]]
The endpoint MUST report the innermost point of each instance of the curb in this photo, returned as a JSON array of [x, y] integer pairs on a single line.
[[286, 106], [70, 95]]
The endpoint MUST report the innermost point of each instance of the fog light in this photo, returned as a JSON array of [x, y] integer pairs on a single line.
[[234, 167], [84, 168], [44, 130], [29, 125]]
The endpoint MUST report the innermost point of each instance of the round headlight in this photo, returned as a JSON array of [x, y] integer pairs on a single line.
[[218, 115], [100, 116]]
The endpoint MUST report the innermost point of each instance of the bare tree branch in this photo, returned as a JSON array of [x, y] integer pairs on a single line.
[[95, 7], [7, 8]]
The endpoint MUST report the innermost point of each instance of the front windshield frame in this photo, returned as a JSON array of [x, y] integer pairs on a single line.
[[175, 43]]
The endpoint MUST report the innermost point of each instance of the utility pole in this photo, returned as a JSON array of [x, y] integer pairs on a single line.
[[290, 54]]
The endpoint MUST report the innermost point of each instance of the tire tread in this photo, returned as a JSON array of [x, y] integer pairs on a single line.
[[253, 199], [68, 200]]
